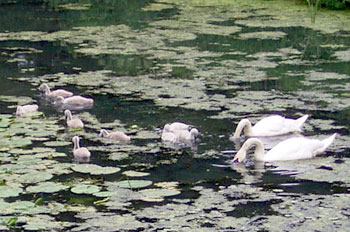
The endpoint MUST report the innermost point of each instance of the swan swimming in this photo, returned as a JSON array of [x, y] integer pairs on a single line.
[[73, 122], [290, 149], [185, 135], [172, 127], [80, 152], [169, 137], [74, 100], [26, 109], [117, 135], [269, 126], [178, 132], [55, 93]]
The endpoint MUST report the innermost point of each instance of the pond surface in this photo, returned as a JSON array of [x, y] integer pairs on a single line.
[[147, 63]]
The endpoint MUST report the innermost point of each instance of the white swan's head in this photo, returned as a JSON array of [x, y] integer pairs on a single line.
[[240, 156]]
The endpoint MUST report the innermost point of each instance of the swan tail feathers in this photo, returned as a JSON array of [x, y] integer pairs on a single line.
[[301, 120], [328, 141]]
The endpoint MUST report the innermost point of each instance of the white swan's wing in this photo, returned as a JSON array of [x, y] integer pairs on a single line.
[[294, 149], [269, 126]]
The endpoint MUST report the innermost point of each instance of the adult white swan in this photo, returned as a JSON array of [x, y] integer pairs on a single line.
[[290, 149], [269, 126], [73, 122], [55, 93], [79, 152]]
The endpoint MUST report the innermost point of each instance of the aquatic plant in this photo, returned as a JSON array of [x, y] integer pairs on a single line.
[[313, 6]]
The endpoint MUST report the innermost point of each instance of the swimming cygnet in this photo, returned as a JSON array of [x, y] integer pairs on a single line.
[[55, 93], [73, 122], [171, 137], [171, 127], [79, 152], [75, 100], [117, 135], [185, 135], [21, 110]]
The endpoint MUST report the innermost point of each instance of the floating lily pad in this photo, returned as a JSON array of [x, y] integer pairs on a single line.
[[7, 191], [157, 194], [132, 173], [35, 177], [46, 187], [57, 143], [85, 189], [134, 183], [94, 169]]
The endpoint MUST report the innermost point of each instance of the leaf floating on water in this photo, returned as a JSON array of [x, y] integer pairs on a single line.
[[35, 177], [133, 184], [46, 187], [157, 194], [57, 143], [94, 169], [85, 189], [132, 173], [7, 191]]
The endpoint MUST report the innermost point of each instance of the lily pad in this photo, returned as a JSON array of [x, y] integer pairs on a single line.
[[157, 194], [46, 187], [35, 177], [133, 184], [132, 173], [85, 189], [94, 169], [7, 191]]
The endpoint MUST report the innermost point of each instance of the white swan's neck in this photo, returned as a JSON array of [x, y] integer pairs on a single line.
[[259, 148], [243, 125]]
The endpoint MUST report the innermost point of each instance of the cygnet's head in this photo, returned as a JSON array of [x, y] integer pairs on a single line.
[[103, 133], [19, 110], [59, 100], [194, 131], [75, 139], [43, 87], [166, 128], [68, 114]]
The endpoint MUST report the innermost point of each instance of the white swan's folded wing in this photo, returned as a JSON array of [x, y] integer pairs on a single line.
[[294, 149]]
